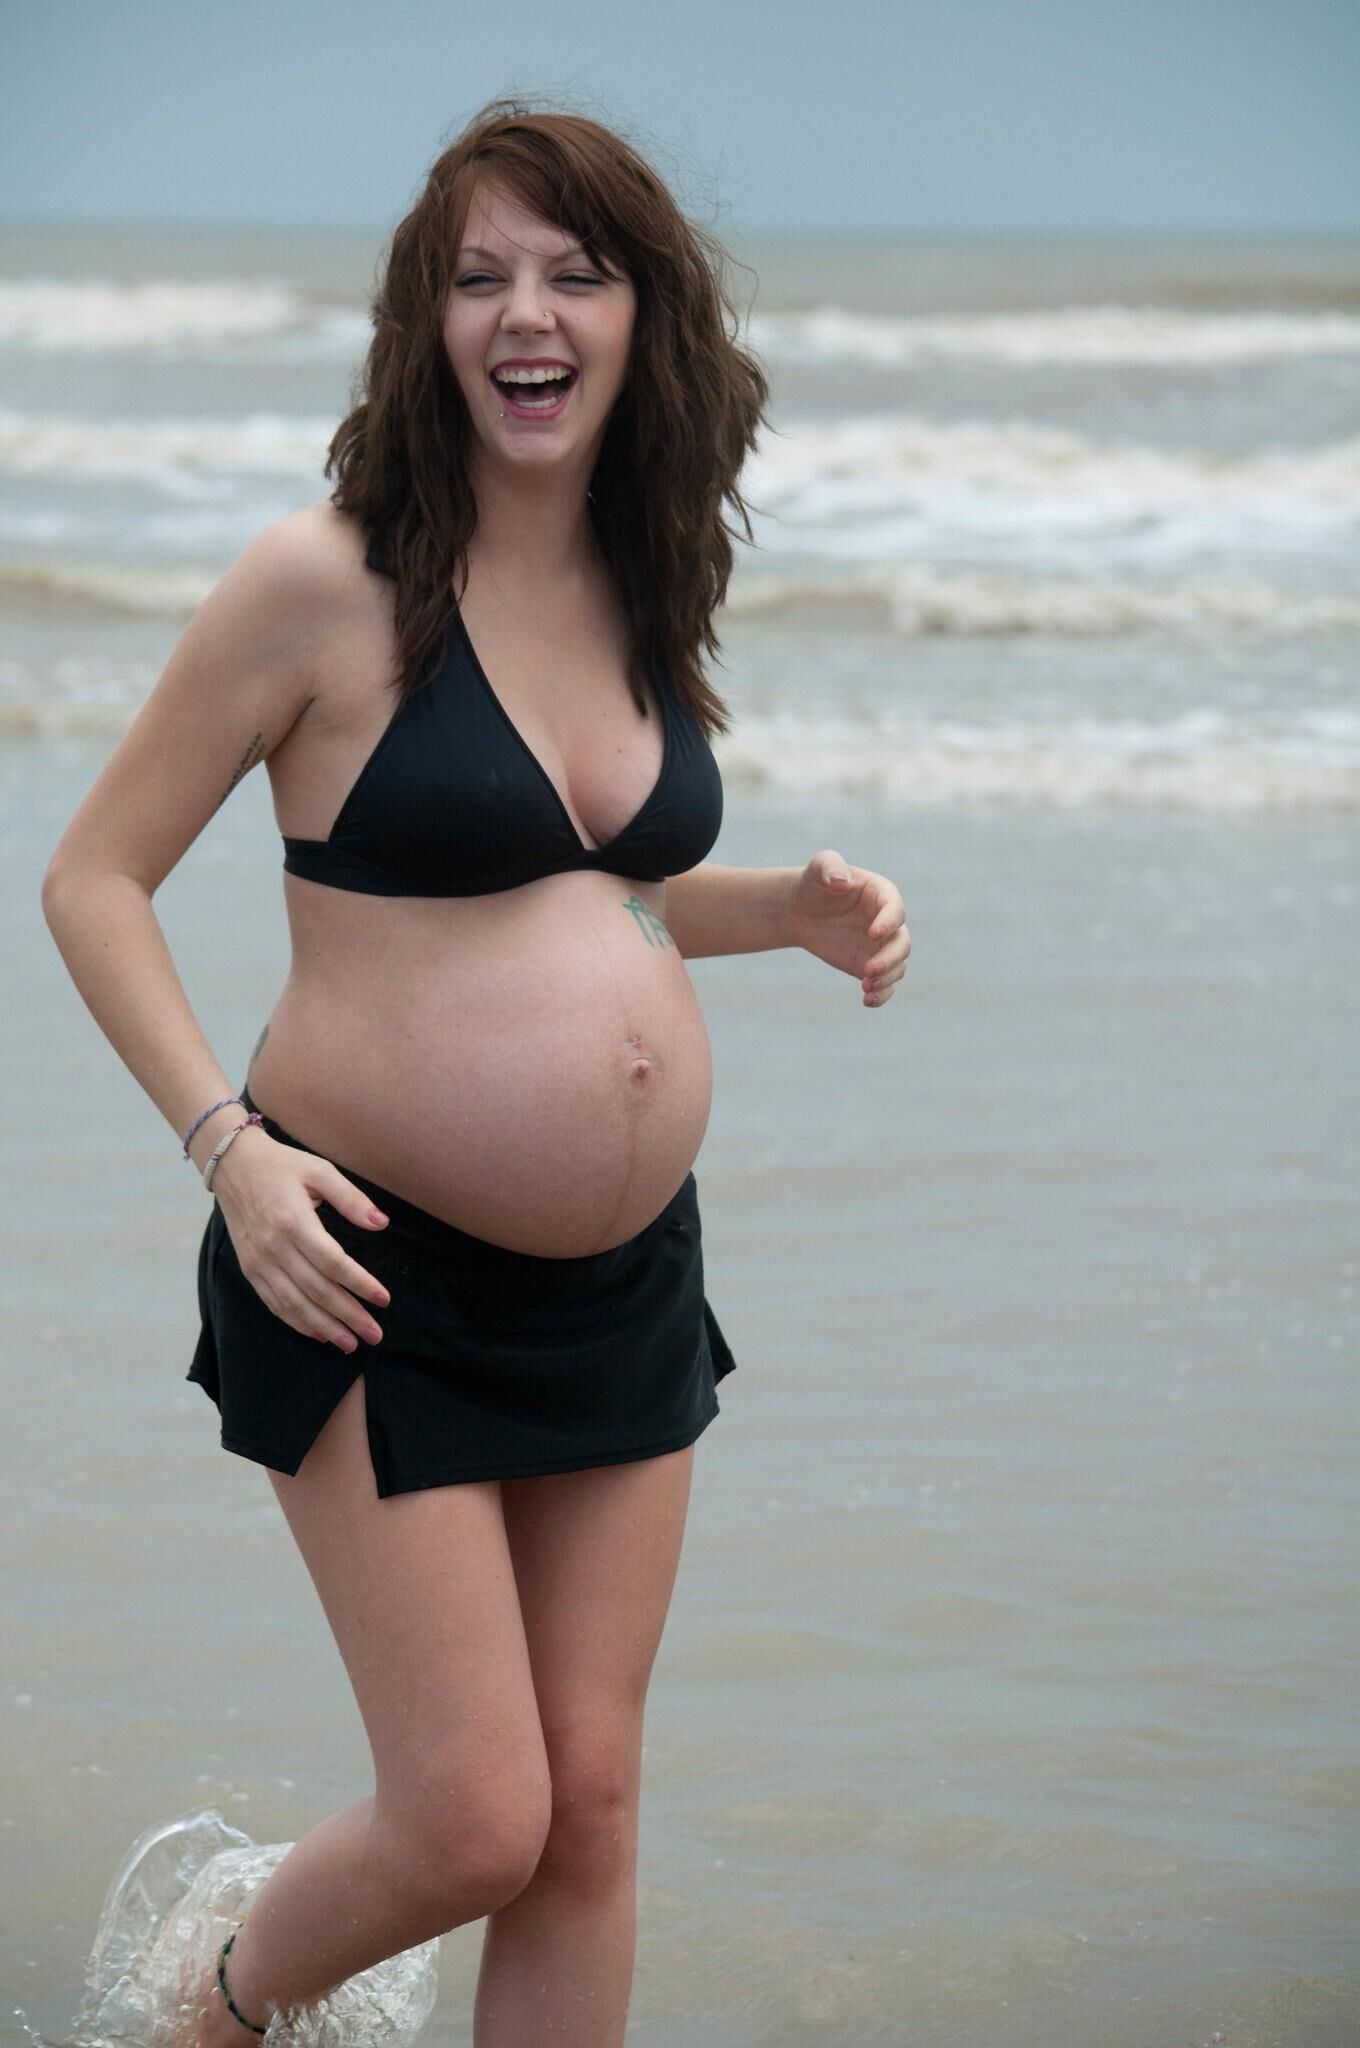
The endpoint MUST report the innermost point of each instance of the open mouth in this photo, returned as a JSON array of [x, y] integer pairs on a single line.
[[538, 401]]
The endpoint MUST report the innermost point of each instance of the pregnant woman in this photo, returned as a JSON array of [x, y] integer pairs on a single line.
[[452, 1284]]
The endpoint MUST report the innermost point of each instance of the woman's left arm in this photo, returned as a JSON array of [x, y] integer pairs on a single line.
[[849, 917]]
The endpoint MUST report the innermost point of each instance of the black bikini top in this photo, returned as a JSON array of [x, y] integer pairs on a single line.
[[452, 802]]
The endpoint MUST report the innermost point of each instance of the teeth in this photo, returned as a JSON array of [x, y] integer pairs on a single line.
[[529, 376]]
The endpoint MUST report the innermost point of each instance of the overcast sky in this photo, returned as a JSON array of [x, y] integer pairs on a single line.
[[814, 115]]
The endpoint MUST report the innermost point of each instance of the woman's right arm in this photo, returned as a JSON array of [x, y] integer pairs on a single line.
[[238, 679]]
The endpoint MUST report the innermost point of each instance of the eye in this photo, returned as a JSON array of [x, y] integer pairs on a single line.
[[573, 277]]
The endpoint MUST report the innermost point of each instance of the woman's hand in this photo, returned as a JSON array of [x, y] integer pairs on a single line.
[[269, 1194], [853, 920]]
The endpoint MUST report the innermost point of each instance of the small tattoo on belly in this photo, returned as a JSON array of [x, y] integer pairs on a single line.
[[648, 923]]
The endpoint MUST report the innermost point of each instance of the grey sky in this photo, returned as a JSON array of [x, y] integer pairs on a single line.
[[866, 115]]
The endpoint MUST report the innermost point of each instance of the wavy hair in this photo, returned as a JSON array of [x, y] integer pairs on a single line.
[[677, 436]]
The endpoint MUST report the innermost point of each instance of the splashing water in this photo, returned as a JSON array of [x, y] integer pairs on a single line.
[[178, 1893]]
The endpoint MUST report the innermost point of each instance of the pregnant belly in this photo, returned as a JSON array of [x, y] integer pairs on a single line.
[[532, 1068]]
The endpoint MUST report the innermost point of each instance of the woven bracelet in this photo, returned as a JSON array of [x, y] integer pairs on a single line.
[[225, 1103], [222, 1955], [210, 1164]]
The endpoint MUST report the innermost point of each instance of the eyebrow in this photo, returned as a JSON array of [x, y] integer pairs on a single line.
[[572, 249]]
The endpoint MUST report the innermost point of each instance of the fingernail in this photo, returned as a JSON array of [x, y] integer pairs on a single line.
[[376, 1216]]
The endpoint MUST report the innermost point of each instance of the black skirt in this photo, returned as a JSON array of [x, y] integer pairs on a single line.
[[494, 1364]]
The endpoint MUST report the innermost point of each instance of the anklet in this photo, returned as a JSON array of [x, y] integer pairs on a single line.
[[222, 1955]]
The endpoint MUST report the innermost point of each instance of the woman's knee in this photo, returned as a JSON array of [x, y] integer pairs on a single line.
[[468, 1840], [592, 1834]]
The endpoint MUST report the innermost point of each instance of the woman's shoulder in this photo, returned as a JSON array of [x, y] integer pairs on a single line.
[[303, 586], [316, 553]]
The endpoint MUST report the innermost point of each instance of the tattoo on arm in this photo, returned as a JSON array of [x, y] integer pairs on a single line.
[[253, 753], [648, 922]]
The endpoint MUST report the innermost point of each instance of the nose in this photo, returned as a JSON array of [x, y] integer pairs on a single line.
[[525, 311]]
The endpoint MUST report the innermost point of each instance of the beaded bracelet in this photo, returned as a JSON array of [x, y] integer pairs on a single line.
[[226, 1949], [210, 1164], [225, 1103]]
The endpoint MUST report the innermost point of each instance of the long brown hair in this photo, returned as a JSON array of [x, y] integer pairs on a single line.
[[677, 436]]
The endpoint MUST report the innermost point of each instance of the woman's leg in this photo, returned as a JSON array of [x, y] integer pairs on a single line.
[[421, 1596], [595, 1554]]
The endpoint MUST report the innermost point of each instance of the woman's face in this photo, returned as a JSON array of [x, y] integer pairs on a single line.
[[524, 292]]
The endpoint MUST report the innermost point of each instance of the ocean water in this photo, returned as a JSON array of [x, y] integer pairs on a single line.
[[1075, 522], [1008, 1690]]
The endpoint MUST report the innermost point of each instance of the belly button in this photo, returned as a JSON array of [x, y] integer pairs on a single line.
[[641, 1065]]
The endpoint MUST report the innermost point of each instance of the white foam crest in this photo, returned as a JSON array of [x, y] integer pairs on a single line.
[[889, 486], [1206, 759], [1093, 336], [29, 720], [1203, 760], [159, 315], [884, 483], [914, 601], [920, 600], [164, 451], [176, 316], [66, 694], [151, 589], [171, 316]]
